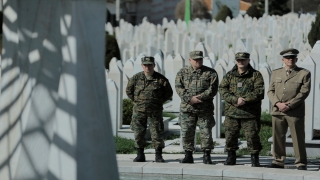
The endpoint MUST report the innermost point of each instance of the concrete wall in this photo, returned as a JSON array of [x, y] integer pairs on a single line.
[[54, 119]]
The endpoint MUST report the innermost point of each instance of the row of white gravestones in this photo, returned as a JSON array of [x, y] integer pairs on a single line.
[[265, 32], [173, 65]]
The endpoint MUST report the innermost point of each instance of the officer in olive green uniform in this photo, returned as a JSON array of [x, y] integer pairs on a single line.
[[242, 88], [196, 85], [289, 87], [148, 90]]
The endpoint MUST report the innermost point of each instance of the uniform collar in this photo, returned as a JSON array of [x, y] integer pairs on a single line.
[[195, 71], [235, 72]]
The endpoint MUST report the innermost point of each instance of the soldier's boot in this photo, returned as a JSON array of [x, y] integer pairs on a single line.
[[188, 158], [207, 157], [159, 157], [255, 160], [140, 155], [231, 160]]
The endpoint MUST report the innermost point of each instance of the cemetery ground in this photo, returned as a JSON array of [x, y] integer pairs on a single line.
[[126, 146], [172, 169]]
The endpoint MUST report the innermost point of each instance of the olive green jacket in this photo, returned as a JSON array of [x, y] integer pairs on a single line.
[[294, 89], [249, 85], [149, 93], [203, 81]]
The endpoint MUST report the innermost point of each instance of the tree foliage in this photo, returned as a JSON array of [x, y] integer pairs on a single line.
[[112, 49], [127, 111], [276, 7], [199, 10], [223, 13], [253, 11], [314, 34]]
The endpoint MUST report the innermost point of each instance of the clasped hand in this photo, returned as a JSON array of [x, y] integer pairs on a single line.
[[283, 107], [241, 101], [195, 100]]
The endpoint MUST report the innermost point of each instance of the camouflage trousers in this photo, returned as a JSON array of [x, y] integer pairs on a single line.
[[188, 123], [139, 127], [251, 130]]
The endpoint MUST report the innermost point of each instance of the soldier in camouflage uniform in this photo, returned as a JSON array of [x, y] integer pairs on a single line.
[[242, 88], [148, 90], [197, 85]]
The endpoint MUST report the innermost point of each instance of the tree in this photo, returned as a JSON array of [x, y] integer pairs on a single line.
[[223, 13], [314, 34], [253, 11], [276, 7], [112, 49], [199, 10]]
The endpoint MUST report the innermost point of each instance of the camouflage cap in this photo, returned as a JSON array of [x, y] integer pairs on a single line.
[[147, 60], [242, 55], [196, 54], [289, 52]]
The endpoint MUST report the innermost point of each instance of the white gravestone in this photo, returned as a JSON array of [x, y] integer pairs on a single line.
[[178, 63], [315, 55], [218, 104], [310, 65], [266, 105], [159, 58], [128, 67], [116, 74], [137, 64], [113, 93]]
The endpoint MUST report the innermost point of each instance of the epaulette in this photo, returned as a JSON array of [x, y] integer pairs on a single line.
[[277, 69]]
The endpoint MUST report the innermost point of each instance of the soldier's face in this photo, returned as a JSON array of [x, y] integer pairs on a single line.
[[148, 68], [242, 63], [196, 63], [290, 61]]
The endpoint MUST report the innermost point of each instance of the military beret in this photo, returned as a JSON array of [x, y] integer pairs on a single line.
[[147, 60], [289, 52], [196, 54], [242, 55]]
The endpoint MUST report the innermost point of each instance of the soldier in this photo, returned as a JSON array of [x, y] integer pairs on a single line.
[[289, 87], [148, 90], [242, 88], [196, 85]]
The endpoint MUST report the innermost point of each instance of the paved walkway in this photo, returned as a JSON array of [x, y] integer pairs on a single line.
[[172, 169]]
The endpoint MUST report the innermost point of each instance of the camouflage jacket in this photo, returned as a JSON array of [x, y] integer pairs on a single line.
[[149, 93], [249, 86], [203, 82]]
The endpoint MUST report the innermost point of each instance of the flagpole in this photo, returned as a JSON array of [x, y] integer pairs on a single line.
[[187, 13]]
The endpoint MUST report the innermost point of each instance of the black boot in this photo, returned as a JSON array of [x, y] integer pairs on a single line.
[[207, 157], [188, 158], [231, 160], [255, 160], [159, 155], [140, 155]]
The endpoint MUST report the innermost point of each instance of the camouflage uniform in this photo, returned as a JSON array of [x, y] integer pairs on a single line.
[[148, 94], [250, 86], [204, 82]]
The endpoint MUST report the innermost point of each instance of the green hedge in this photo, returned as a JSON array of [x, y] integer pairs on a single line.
[[223, 13]]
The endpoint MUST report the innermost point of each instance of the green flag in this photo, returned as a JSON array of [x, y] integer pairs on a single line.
[[187, 13]]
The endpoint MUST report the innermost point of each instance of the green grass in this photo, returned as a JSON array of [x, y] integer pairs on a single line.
[[265, 134], [166, 114], [126, 146]]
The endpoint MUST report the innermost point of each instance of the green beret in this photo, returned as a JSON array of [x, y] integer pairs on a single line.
[[242, 55], [289, 52], [196, 55], [147, 60]]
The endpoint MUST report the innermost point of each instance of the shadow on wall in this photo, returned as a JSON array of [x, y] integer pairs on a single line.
[[53, 122]]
